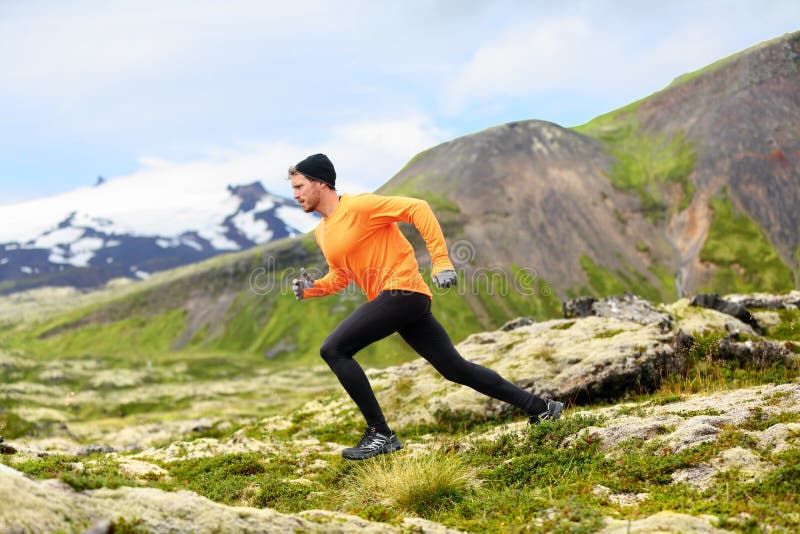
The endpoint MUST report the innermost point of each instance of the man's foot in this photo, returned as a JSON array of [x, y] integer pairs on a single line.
[[372, 443], [553, 412]]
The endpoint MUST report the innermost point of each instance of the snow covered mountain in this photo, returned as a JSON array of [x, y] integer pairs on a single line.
[[132, 227]]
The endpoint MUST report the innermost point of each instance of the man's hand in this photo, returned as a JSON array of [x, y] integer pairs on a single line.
[[446, 278], [299, 284]]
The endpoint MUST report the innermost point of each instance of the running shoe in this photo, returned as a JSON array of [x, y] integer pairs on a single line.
[[371, 444], [553, 412]]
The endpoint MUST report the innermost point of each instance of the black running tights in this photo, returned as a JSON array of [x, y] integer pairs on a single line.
[[409, 314]]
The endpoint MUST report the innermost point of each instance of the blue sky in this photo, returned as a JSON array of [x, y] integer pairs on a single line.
[[243, 88]]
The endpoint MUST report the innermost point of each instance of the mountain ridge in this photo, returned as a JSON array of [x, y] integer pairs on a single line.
[[92, 235]]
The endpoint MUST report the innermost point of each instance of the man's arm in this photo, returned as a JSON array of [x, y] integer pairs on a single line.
[[386, 210], [333, 282]]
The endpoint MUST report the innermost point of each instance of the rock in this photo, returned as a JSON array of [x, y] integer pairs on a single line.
[[767, 319], [697, 419], [701, 476], [715, 302], [92, 449], [582, 360], [701, 321], [578, 307], [625, 307], [767, 301], [698, 476], [662, 522], [620, 499], [49, 506], [762, 353], [139, 469], [101, 526], [519, 322], [281, 347]]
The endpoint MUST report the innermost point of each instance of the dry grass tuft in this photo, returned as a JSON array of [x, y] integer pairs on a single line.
[[420, 484]]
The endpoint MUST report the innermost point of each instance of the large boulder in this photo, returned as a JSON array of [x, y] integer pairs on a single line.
[[767, 301], [580, 361], [715, 302], [627, 307]]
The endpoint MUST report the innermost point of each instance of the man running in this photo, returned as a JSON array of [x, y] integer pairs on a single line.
[[362, 243]]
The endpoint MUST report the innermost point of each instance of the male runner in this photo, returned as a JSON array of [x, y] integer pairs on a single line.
[[362, 243]]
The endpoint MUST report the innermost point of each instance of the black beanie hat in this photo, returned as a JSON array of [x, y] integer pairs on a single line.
[[318, 167]]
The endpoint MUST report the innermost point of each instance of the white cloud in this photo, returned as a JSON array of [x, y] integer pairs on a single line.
[[593, 52], [541, 56], [55, 49], [154, 199]]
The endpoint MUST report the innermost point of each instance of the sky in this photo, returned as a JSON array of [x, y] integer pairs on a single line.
[[243, 89]]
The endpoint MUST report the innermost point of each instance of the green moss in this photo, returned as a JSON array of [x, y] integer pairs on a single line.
[[602, 281], [605, 282], [127, 336], [13, 426], [760, 420], [220, 478], [789, 327], [644, 163], [81, 473], [744, 259], [609, 333]]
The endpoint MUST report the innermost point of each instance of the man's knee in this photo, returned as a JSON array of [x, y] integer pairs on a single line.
[[455, 373], [331, 350]]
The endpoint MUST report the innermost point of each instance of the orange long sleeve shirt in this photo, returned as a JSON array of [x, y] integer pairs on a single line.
[[362, 242]]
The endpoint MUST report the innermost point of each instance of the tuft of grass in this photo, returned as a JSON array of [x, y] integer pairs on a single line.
[[420, 484]]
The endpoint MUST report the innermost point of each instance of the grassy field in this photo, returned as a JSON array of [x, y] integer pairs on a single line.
[[473, 474]]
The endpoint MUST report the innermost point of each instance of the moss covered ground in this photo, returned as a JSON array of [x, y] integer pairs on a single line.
[[542, 478]]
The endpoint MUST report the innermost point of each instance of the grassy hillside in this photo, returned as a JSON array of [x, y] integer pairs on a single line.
[[211, 309], [644, 163], [741, 255]]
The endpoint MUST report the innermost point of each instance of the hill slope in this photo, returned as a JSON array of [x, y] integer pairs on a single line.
[[631, 199]]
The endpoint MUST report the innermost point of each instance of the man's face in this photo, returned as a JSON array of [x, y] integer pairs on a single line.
[[306, 192]]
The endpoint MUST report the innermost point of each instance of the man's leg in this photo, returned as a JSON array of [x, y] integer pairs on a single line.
[[371, 322], [427, 336]]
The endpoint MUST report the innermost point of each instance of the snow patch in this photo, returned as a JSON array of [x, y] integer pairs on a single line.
[[189, 242], [297, 218], [59, 236], [253, 229], [216, 237]]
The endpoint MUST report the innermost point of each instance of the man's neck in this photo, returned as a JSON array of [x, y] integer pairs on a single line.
[[328, 202]]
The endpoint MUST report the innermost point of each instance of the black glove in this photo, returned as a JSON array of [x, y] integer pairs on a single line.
[[299, 284], [446, 278]]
